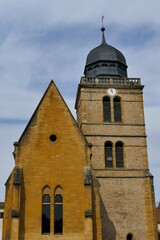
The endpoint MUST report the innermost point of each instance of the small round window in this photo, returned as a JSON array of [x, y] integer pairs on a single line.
[[53, 138]]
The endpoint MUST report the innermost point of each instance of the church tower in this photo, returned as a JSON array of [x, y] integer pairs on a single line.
[[110, 114]]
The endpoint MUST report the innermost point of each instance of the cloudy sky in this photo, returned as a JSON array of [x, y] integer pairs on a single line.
[[44, 40]]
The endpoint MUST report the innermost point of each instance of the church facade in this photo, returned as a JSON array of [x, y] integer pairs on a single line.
[[84, 180]]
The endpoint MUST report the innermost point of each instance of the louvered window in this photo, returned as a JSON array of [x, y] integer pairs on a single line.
[[117, 109], [106, 109], [108, 155], [119, 155]]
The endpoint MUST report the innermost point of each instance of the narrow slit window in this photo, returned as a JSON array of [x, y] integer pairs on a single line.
[[108, 155], [117, 110], [46, 204], [119, 155], [58, 211], [106, 109]]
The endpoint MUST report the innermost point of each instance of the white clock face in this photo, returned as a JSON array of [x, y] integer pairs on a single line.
[[112, 91]]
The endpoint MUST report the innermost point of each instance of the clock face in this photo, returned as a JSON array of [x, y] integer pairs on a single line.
[[112, 91]]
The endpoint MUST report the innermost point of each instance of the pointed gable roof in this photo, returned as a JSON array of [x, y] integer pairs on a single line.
[[53, 91]]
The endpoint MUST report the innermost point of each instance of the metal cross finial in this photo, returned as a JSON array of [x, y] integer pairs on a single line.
[[102, 21], [102, 29]]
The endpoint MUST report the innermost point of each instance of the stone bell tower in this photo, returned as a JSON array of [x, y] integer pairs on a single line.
[[110, 114]]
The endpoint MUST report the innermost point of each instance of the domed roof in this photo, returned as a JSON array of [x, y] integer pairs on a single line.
[[105, 56], [105, 52]]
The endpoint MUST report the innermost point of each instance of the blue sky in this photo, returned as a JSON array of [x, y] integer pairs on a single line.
[[44, 40]]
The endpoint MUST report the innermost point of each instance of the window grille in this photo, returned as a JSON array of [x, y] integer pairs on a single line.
[[119, 155], [108, 155]]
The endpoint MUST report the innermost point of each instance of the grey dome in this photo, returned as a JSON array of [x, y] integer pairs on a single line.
[[105, 52], [105, 60]]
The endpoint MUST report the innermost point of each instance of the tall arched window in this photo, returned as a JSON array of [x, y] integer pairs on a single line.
[[46, 203], [119, 155], [106, 109], [108, 155], [117, 109], [130, 236], [58, 211]]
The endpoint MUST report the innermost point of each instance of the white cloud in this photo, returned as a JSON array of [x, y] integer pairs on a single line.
[[40, 13]]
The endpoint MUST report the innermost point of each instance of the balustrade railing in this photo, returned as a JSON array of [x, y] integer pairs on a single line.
[[111, 81]]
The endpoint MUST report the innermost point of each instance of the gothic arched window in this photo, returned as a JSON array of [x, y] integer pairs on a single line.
[[108, 155], [58, 211], [119, 155], [117, 109], [129, 236], [46, 204], [106, 109]]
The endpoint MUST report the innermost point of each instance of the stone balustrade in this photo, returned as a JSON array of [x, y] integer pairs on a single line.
[[111, 81]]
